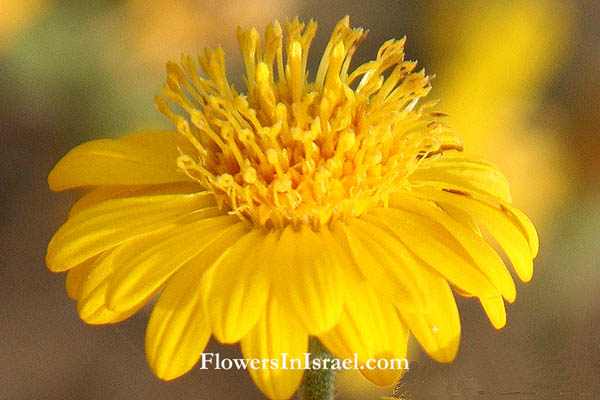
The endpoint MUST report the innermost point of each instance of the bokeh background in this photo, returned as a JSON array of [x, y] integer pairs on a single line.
[[520, 80]]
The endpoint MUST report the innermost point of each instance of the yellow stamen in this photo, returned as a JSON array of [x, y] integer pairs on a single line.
[[294, 151]]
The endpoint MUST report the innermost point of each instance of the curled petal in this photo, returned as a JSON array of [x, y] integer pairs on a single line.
[[508, 231], [475, 176], [429, 221]]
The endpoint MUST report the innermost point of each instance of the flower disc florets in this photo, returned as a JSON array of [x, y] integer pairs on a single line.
[[296, 150]]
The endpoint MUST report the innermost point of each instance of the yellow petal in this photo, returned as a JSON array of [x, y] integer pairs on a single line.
[[505, 229], [178, 329], [91, 303], [370, 328], [384, 262], [484, 257], [519, 218], [526, 226], [142, 158], [103, 193], [98, 195], [177, 333], [236, 287], [437, 247], [461, 292], [459, 215], [494, 308], [113, 222], [276, 333], [145, 264], [308, 278], [436, 323], [438, 328], [76, 276], [475, 176]]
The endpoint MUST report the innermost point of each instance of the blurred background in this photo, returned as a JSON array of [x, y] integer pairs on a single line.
[[520, 80]]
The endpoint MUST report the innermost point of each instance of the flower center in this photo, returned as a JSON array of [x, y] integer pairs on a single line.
[[298, 152]]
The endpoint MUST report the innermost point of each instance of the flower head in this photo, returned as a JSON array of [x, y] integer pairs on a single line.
[[294, 151], [335, 206]]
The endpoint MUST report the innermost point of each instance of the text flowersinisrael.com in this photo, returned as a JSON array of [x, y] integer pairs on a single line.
[[215, 361]]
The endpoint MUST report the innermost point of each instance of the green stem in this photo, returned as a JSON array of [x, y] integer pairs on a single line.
[[317, 384]]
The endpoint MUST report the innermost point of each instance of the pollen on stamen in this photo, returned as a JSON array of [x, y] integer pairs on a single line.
[[294, 151]]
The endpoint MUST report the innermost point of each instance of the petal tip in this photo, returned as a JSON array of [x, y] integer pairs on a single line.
[[54, 181]]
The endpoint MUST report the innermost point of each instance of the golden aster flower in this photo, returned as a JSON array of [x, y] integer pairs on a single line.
[[335, 207], [488, 88]]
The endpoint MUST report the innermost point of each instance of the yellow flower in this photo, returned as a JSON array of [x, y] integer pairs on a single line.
[[333, 207], [498, 59], [16, 17]]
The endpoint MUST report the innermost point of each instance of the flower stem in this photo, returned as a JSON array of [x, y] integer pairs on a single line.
[[317, 384]]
